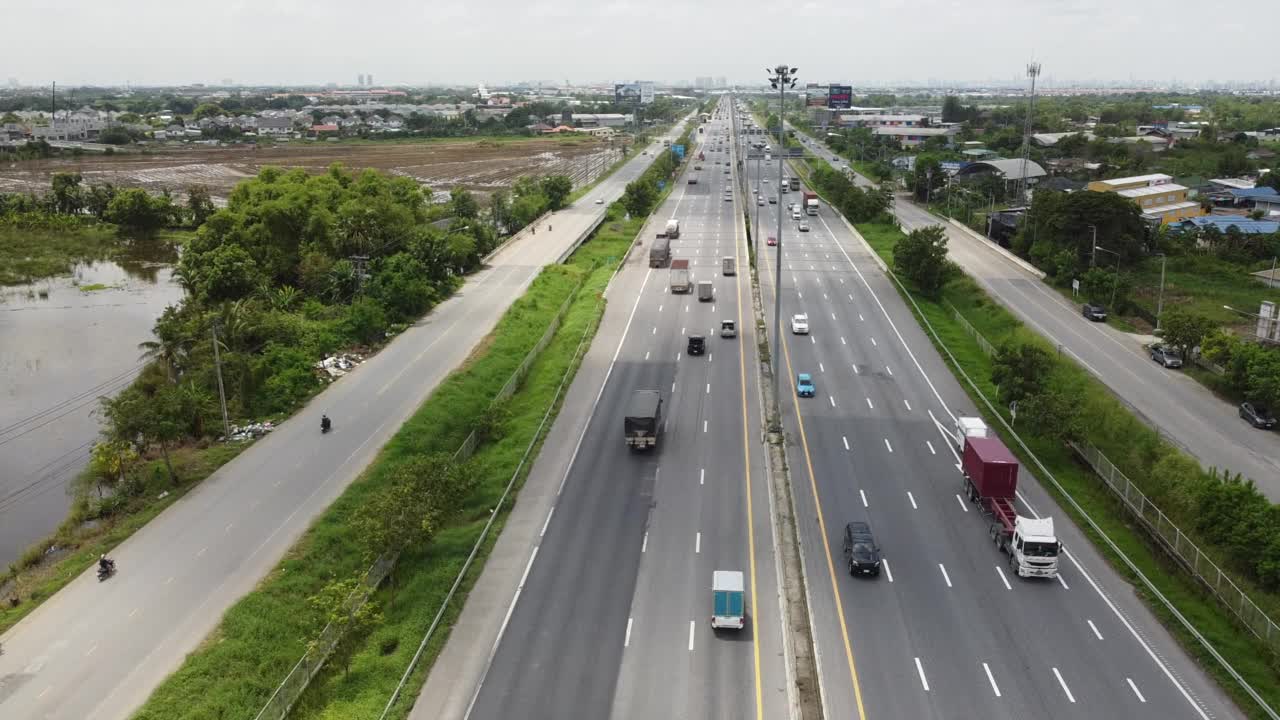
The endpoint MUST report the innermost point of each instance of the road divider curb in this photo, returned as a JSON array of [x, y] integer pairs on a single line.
[[996, 247]]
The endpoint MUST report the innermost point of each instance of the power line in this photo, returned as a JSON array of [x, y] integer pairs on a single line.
[[118, 383], [95, 391]]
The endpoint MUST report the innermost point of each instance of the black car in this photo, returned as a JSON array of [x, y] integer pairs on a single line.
[[860, 549], [697, 345], [1096, 313], [1257, 415]]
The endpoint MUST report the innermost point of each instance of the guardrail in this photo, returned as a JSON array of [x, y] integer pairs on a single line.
[[1175, 542], [1180, 547], [296, 682]]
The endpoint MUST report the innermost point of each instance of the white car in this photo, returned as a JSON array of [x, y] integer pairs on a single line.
[[795, 214], [764, 180], [800, 324], [803, 226]]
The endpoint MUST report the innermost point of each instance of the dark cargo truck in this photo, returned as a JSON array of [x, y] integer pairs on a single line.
[[659, 252], [644, 416]]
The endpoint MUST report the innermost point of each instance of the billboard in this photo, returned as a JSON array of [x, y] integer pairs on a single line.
[[633, 93], [815, 95], [679, 151], [840, 97]]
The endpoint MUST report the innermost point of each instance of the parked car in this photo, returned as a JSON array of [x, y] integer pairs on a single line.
[[697, 345], [861, 550], [1166, 356], [1096, 313], [800, 324], [804, 385], [803, 226], [1257, 415]]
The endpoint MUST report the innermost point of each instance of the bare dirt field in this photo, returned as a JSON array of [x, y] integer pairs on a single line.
[[480, 165]]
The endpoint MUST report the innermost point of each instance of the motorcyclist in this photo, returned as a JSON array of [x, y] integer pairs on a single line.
[[325, 423], [105, 564]]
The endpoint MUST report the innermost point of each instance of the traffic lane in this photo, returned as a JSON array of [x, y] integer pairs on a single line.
[[938, 379], [658, 669], [1100, 681], [859, 443], [214, 537], [567, 623], [1181, 406]]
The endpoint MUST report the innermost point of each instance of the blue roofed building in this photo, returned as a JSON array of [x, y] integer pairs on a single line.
[[1224, 222]]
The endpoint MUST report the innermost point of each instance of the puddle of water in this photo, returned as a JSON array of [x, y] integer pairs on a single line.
[[60, 349]]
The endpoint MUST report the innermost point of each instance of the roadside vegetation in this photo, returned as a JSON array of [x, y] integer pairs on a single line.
[[264, 634], [1059, 402], [270, 275]]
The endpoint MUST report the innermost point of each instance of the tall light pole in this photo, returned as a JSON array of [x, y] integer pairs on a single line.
[[780, 78], [1093, 254], [1115, 286]]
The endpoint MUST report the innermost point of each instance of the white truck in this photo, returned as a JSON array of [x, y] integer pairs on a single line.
[[970, 427], [673, 229]]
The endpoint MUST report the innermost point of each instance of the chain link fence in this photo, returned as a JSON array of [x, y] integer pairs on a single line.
[[1180, 547], [288, 692], [1158, 525], [296, 682]]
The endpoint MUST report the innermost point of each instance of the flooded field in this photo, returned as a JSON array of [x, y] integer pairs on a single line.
[[480, 165], [65, 342]]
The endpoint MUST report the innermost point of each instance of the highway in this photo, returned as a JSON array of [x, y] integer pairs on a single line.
[[96, 650], [610, 617], [1182, 408], [946, 630]]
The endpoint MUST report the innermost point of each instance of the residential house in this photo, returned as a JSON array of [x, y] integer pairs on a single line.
[[274, 126], [1010, 171], [1159, 198], [325, 128]]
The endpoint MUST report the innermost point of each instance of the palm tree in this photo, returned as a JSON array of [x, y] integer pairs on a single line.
[[171, 352]]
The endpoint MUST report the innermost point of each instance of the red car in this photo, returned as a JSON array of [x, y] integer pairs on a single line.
[[772, 240]]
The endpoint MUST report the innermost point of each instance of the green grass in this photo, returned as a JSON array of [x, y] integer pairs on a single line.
[[30, 254], [261, 637], [81, 544], [1203, 285], [1251, 658]]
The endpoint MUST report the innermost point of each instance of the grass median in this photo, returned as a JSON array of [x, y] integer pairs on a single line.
[[234, 672], [1250, 657]]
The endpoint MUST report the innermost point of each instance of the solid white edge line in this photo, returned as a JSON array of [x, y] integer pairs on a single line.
[[626, 640]]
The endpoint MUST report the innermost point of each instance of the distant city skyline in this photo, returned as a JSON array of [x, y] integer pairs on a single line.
[[925, 42]]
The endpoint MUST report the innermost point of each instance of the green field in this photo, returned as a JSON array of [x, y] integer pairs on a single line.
[[30, 254]]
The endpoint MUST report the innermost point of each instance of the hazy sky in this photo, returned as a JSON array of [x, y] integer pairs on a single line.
[[318, 41]]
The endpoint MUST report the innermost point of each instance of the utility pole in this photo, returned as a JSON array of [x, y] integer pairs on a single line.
[[782, 78], [1160, 302], [1093, 254], [359, 262], [222, 393]]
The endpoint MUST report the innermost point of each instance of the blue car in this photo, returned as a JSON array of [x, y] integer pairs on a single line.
[[804, 385]]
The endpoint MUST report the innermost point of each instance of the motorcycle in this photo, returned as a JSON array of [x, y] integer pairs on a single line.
[[325, 425], [107, 571]]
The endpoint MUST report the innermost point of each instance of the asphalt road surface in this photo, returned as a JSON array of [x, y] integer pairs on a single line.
[[95, 651], [1184, 410], [611, 618], [947, 630]]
